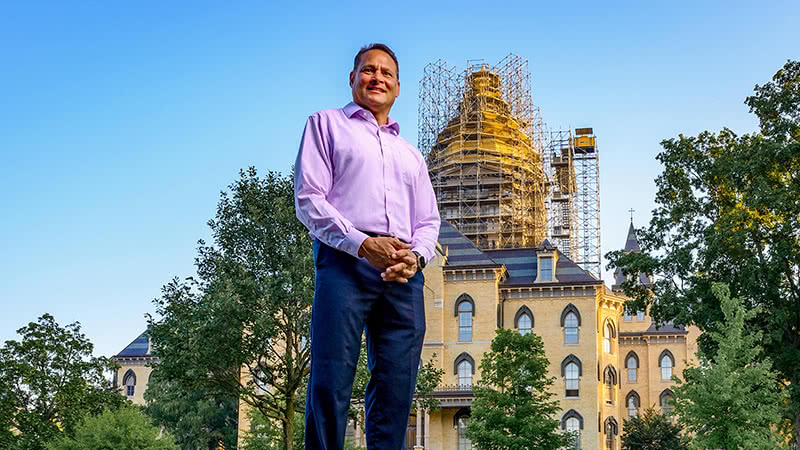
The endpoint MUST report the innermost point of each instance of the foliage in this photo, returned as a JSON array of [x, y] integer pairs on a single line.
[[727, 211], [513, 407], [49, 381], [194, 418], [650, 430], [121, 429], [734, 401], [241, 328], [429, 378], [264, 435]]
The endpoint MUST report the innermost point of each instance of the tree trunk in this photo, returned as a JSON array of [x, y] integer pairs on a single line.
[[797, 431], [288, 424]]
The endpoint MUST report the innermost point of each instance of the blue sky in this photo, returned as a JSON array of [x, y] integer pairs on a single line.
[[120, 122]]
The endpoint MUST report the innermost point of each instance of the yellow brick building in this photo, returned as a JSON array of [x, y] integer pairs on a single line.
[[134, 373], [607, 364]]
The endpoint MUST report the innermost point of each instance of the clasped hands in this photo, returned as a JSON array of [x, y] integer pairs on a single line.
[[391, 255]]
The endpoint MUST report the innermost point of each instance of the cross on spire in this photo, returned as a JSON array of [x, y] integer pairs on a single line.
[[631, 211]]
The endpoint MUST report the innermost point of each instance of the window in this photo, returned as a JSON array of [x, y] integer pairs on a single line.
[[129, 381], [525, 324], [465, 321], [572, 422], [611, 431], [627, 316], [608, 334], [465, 373], [631, 364], [665, 401], [610, 382], [570, 321], [462, 420], [571, 329], [571, 370], [546, 268], [632, 403], [640, 315], [666, 362]]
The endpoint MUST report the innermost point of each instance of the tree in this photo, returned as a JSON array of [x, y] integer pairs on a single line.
[[652, 431], [727, 210], [121, 429], [733, 400], [194, 418], [241, 328], [513, 407], [49, 381]]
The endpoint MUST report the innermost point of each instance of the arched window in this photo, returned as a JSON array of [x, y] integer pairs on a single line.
[[571, 370], [665, 401], [610, 382], [611, 430], [632, 364], [570, 321], [666, 362], [461, 421], [129, 381], [465, 310], [523, 320], [608, 334], [464, 369], [632, 401], [572, 422]]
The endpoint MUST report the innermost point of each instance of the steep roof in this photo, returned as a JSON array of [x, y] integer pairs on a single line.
[[631, 245], [521, 264], [460, 250], [139, 348]]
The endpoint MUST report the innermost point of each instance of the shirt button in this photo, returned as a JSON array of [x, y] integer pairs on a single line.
[[388, 189]]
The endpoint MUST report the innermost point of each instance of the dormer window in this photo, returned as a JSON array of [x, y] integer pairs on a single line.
[[546, 264]]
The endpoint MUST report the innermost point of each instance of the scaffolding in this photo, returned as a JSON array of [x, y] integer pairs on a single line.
[[587, 168], [483, 140], [562, 215]]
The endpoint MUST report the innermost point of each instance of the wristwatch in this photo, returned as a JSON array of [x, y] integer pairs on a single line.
[[420, 260]]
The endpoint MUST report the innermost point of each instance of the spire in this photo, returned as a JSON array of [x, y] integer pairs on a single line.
[[631, 245], [632, 242]]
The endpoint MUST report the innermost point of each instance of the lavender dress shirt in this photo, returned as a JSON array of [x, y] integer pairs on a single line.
[[353, 176]]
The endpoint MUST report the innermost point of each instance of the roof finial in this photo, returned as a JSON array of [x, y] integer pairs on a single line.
[[631, 211]]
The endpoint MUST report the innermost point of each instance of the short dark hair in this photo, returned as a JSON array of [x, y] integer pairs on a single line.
[[376, 46]]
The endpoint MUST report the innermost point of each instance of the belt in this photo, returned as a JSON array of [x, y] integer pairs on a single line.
[[375, 235]]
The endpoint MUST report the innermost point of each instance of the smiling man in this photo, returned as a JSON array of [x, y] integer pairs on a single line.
[[365, 195]]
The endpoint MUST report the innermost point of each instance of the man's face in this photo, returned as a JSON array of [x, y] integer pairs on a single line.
[[374, 82]]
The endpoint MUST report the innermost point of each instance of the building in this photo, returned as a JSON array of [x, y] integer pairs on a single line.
[[135, 362], [607, 364]]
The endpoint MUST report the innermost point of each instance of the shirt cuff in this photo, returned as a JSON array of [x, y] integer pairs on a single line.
[[353, 241]]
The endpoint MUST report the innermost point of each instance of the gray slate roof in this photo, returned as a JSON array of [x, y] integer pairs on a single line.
[[136, 349], [519, 262]]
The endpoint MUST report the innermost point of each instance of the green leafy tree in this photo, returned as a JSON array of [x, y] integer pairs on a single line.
[[265, 435], [650, 430], [194, 418], [727, 210], [733, 400], [240, 328], [513, 407], [121, 429], [49, 382]]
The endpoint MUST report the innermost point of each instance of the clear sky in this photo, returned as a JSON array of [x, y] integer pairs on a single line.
[[120, 122]]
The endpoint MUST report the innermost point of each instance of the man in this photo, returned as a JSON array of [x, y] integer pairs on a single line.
[[365, 196]]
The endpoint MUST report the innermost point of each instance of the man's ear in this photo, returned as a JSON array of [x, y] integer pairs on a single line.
[[352, 78], [398, 89]]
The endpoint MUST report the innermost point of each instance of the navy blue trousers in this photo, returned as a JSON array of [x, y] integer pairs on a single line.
[[350, 298]]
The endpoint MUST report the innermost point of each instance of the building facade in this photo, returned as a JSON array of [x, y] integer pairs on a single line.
[[607, 364], [135, 362]]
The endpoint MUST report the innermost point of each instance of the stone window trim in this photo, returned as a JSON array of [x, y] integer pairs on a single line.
[[464, 356], [635, 396], [464, 298], [570, 309], [463, 412], [610, 373], [569, 359], [609, 325], [666, 408], [570, 414], [523, 310]]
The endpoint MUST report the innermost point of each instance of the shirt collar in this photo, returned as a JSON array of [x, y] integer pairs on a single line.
[[352, 109]]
